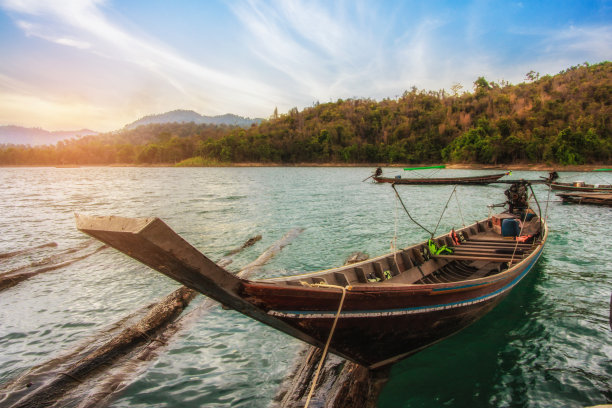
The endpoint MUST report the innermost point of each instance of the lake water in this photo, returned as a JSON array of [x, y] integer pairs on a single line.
[[547, 345]]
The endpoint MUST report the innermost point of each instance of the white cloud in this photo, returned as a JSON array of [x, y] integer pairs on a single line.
[[331, 50], [595, 41], [35, 30], [84, 25], [291, 53]]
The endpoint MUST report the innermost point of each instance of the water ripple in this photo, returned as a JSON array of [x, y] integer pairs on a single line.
[[547, 344]]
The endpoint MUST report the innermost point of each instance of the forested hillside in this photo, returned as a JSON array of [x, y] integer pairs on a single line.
[[562, 119]]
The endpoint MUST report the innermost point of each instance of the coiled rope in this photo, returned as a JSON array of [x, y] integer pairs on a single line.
[[331, 333]]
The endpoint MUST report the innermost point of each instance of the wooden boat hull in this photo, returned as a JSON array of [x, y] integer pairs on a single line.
[[442, 180], [587, 188], [380, 323], [397, 321]]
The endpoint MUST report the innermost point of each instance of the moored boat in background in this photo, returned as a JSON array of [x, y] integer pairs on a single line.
[[481, 179], [577, 186], [485, 179], [581, 186]]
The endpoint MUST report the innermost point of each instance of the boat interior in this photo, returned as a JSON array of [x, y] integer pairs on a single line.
[[582, 184], [484, 249]]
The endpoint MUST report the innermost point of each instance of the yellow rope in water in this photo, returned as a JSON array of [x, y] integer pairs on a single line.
[[331, 333]]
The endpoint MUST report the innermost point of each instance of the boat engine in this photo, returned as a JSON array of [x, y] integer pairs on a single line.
[[517, 198]]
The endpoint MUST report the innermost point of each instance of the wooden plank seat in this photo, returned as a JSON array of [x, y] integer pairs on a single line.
[[483, 257], [494, 244], [497, 251]]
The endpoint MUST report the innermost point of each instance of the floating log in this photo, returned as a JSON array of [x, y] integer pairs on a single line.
[[106, 390], [12, 278], [25, 251], [249, 242], [341, 384], [270, 253], [136, 344], [47, 394], [356, 257], [56, 258], [227, 259]]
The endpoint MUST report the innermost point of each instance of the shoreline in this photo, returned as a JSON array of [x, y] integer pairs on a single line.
[[454, 166]]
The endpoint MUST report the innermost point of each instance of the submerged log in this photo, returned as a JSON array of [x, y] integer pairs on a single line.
[[12, 278], [85, 372], [107, 388], [227, 259], [45, 395], [356, 257], [249, 242], [269, 253], [341, 383], [27, 250]]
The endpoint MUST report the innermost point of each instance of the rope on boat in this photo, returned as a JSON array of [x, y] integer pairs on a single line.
[[394, 242], [405, 209], [331, 333], [444, 210]]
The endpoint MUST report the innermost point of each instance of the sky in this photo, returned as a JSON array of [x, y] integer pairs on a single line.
[[101, 64]]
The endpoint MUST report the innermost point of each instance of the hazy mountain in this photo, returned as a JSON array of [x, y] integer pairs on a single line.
[[186, 116], [36, 136]]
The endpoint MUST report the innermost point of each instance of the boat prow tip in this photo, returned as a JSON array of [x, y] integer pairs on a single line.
[[112, 223]]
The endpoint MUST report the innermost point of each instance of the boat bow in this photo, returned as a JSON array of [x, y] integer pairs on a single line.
[[155, 244]]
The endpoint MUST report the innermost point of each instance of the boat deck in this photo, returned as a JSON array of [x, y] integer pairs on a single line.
[[483, 253]]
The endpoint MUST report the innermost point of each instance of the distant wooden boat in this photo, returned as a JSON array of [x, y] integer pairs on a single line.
[[587, 198], [581, 186], [387, 308], [576, 186], [485, 179]]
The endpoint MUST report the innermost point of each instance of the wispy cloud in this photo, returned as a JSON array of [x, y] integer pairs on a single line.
[[338, 49], [282, 53], [85, 25], [595, 41], [550, 50], [35, 30]]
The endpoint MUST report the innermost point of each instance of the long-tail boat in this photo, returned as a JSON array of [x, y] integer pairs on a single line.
[[373, 312], [485, 179], [581, 186], [482, 179], [577, 186]]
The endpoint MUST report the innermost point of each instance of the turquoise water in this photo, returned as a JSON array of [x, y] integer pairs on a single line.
[[547, 345]]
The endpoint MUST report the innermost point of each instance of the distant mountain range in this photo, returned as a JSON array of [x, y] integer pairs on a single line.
[[36, 136], [186, 116]]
